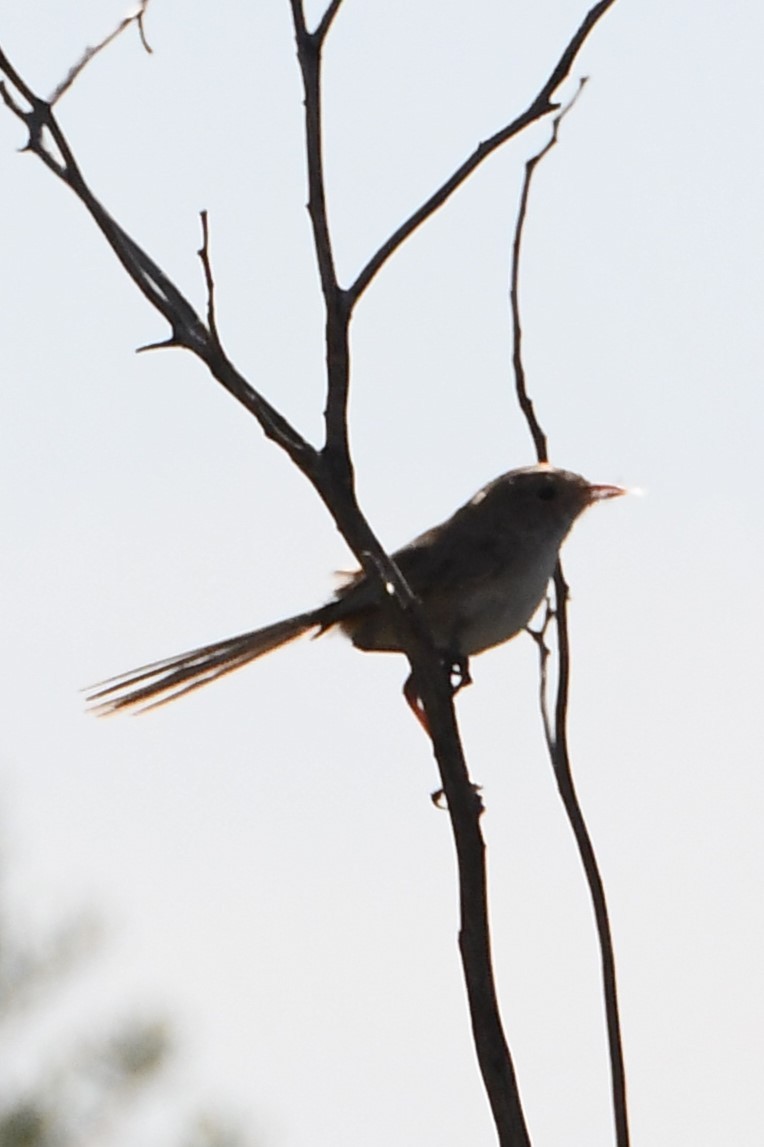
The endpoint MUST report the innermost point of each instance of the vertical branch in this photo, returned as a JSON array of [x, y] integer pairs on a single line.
[[521, 389], [465, 809], [309, 53], [433, 684], [564, 776], [556, 732]]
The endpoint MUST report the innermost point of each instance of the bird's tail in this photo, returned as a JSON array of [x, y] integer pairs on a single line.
[[153, 685]]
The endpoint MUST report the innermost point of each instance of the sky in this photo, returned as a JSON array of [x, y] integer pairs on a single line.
[[264, 855]]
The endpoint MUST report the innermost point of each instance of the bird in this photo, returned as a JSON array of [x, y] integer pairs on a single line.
[[479, 577]]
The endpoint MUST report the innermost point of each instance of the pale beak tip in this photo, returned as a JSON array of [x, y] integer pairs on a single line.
[[600, 493]]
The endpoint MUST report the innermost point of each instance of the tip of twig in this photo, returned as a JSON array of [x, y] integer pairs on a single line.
[[166, 344]]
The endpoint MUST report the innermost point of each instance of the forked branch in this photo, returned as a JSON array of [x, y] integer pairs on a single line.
[[330, 468]]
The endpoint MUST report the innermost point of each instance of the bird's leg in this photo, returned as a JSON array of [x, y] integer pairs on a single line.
[[414, 702], [458, 670]]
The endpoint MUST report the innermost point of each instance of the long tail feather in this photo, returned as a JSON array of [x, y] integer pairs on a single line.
[[156, 684]]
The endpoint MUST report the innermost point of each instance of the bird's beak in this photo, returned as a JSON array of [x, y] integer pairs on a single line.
[[599, 493]]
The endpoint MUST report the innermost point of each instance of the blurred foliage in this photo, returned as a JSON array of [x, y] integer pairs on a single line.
[[24, 1125], [87, 1093]]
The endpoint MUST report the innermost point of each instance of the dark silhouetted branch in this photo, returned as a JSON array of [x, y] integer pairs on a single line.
[[555, 732], [540, 106], [92, 51]]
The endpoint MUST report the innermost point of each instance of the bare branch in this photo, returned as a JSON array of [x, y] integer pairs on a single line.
[[188, 329], [465, 806], [540, 106], [309, 56], [539, 637], [569, 796], [431, 682], [325, 24], [556, 733], [91, 51], [204, 255], [521, 389], [336, 447], [142, 27]]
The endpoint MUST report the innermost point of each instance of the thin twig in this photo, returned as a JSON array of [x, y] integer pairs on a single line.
[[544, 652], [187, 328], [204, 255], [556, 732], [521, 389], [142, 27], [540, 106], [93, 50]]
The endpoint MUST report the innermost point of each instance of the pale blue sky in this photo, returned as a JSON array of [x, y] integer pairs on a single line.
[[265, 852]]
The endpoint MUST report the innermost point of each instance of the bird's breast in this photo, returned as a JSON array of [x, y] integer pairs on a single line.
[[495, 613]]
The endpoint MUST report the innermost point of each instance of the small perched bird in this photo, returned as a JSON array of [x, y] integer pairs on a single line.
[[479, 576]]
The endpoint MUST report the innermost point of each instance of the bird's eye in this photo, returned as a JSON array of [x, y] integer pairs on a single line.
[[547, 492]]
